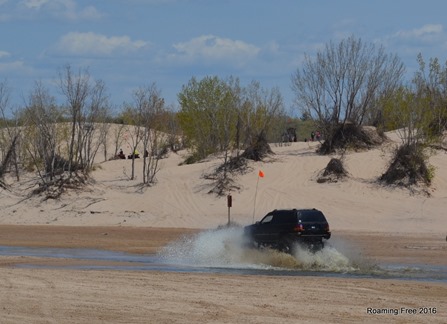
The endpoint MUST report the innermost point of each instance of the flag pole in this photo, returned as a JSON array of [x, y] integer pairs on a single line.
[[254, 206]]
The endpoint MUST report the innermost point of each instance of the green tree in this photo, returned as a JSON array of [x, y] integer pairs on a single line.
[[418, 113], [208, 115], [220, 116], [260, 108], [431, 87]]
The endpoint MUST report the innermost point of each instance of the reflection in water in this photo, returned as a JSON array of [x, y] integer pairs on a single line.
[[223, 251]]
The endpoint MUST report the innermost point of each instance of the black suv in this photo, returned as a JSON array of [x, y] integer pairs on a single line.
[[282, 229]]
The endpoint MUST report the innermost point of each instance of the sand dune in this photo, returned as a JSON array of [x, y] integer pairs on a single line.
[[181, 199]]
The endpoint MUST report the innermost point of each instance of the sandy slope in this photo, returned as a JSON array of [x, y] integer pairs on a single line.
[[180, 197]]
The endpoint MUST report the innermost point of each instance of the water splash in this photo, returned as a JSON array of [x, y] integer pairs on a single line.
[[225, 248], [213, 248]]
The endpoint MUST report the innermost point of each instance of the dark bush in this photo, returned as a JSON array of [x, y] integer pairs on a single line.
[[258, 150], [333, 172], [351, 136], [408, 167]]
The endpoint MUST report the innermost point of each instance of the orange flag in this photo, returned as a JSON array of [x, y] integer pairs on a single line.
[[261, 174]]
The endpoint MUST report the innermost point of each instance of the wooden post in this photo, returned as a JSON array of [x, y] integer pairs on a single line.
[[229, 204]]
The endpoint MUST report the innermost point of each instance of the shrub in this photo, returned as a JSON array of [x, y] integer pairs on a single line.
[[408, 167]]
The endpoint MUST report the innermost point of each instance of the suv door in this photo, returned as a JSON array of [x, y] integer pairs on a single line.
[[284, 222], [275, 225], [262, 230]]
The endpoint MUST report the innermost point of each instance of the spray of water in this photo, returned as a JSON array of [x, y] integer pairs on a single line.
[[225, 248]]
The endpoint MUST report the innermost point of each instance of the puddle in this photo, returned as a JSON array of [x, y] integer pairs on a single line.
[[222, 251]]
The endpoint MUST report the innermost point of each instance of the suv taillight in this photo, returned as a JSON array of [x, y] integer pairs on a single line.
[[299, 228], [326, 228]]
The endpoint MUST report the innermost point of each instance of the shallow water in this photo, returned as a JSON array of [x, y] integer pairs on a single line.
[[222, 251]]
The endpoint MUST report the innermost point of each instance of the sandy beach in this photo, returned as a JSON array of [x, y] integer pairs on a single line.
[[378, 224], [60, 295]]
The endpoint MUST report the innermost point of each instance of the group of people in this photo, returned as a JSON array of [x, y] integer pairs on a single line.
[[314, 135], [135, 154]]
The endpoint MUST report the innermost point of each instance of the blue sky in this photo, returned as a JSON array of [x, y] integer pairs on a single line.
[[133, 43]]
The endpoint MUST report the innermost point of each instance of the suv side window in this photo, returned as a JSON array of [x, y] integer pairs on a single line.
[[267, 219], [284, 217]]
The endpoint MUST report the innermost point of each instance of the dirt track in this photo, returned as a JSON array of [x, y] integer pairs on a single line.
[[80, 296]]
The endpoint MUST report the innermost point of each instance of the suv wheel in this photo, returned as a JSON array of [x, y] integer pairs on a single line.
[[316, 246], [287, 245]]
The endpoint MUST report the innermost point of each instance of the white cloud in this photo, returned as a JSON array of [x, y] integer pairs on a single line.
[[424, 31], [16, 66], [215, 48], [272, 47], [90, 12], [4, 12], [96, 44], [4, 54], [34, 4], [61, 8]]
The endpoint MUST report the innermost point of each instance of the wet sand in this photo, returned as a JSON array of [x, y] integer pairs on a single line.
[[42, 295], [381, 247]]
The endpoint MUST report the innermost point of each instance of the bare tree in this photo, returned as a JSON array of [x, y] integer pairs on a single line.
[[150, 106], [87, 105], [5, 161], [75, 88], [103, 139], [93, 126], [9, 138], [133, 131], [41, 118], [341, 83], [118, 137]]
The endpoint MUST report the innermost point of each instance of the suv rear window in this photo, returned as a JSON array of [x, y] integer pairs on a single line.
[[311, 216]]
